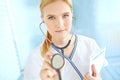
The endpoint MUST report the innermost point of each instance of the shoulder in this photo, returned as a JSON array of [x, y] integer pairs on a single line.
[[87, 43], [36, 54], [85, 38]]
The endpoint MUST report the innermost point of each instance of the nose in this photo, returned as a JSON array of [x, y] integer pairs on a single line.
[[59, 22]]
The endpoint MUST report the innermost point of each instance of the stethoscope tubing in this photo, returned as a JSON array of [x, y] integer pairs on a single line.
[[59, 75], [71, 62], [62, 53]]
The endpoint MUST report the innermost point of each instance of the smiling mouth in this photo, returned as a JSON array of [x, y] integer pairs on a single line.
[[60, 31]]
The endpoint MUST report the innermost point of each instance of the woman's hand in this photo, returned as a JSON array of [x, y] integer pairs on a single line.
[[95, 75], [47, 72]]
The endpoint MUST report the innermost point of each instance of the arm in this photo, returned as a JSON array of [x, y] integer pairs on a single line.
[[33, 66]]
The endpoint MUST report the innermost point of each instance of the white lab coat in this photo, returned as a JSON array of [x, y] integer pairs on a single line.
[[84, 47]]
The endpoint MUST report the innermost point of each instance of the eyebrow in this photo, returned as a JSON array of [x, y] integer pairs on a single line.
[[55, 15]]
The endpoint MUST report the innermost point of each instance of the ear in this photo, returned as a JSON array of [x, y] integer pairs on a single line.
[[73, 17]]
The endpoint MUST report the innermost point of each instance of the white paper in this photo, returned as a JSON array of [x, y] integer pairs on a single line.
[[98, 60]]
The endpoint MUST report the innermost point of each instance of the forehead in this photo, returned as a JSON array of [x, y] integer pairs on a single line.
[[56, 8]]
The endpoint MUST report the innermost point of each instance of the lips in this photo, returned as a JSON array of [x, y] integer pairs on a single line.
[[60, 31]]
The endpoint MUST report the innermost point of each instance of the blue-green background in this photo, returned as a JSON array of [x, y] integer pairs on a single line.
[[20, 34]]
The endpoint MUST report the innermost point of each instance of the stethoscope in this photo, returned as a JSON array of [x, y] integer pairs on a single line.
[[58, 59]]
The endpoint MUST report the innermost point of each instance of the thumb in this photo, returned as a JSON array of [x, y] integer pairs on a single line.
[[94, 71]]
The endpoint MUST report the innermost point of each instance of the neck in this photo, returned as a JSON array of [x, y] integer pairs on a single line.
[[67, 47], [61, 42]]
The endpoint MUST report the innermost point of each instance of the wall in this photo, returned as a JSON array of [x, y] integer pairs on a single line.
[[20, 34]]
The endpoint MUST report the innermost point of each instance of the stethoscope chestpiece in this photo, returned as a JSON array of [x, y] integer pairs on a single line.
[[57, 61]]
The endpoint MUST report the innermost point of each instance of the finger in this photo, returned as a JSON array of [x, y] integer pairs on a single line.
[[50, 73], [50, 53], [47, 66], [48, 56], [46, 75], [55, 77], [84, 78], [47, 72], [94, 72], [88, 76]]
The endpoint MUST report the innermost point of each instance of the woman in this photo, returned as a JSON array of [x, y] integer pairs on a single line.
[[58, 16]]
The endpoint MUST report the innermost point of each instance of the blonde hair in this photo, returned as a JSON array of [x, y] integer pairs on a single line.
[[47, 44]]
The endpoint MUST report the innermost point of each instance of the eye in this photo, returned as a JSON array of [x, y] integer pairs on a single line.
[[65, 15], [51, 17]]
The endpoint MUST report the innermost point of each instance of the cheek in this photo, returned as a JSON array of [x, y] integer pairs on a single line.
[[68, 24], [49, 27]]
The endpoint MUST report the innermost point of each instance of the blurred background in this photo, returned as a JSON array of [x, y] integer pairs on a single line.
[[20, 34]]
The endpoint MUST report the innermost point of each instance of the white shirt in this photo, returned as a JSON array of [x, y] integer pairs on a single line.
[[84, 47]]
